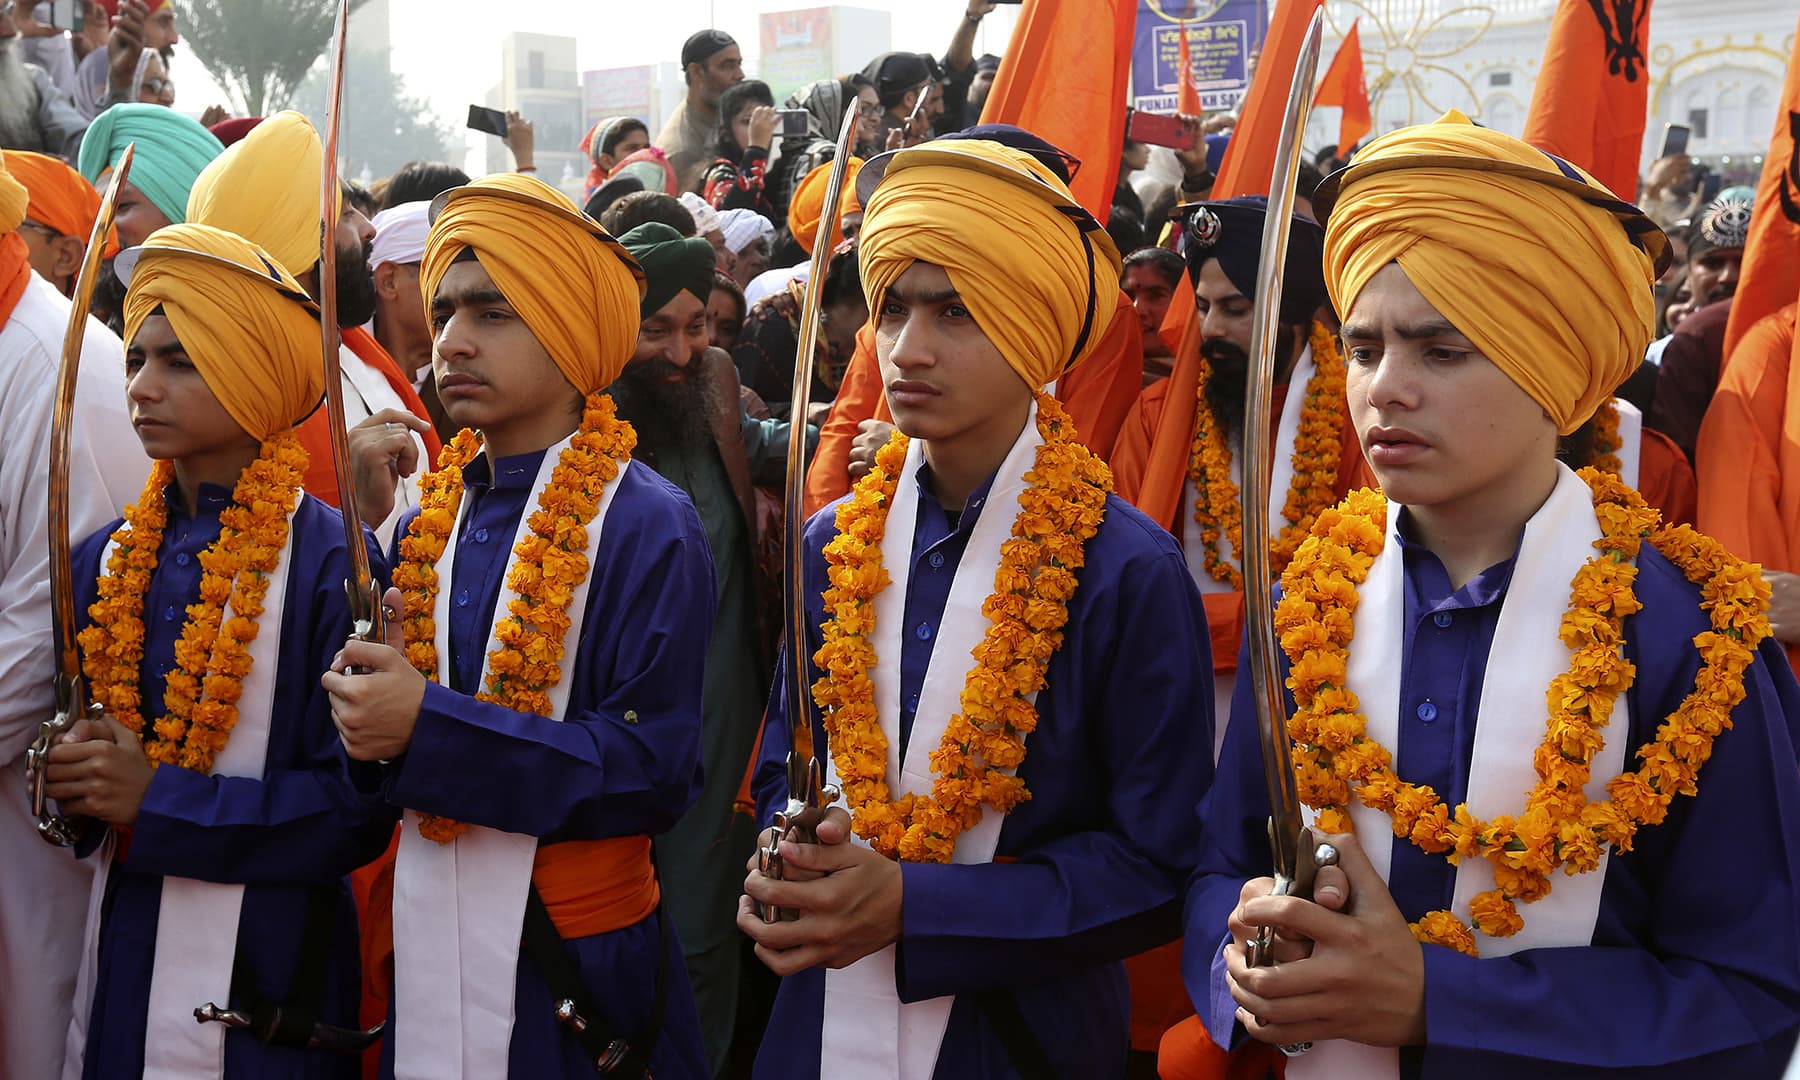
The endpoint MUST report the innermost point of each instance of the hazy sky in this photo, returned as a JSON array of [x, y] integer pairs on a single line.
[[452, 59]]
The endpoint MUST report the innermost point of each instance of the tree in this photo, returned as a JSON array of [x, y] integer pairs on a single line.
[[383, 126], [259, 50]]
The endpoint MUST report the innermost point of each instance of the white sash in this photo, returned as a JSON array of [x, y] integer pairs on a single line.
[[459, 906], [867, 1032], [1631, 441], [197, 921], [1525, 657], [1281, 477]]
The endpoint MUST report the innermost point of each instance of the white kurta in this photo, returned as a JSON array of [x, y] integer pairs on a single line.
[[43, 889], [366, 392]]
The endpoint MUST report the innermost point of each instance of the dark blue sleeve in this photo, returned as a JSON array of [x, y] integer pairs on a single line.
[[626, 758], [301, 821]]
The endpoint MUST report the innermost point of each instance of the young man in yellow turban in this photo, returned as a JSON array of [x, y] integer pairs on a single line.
[[536, 709], [1550, 736], [223, 819], [1001, 644]]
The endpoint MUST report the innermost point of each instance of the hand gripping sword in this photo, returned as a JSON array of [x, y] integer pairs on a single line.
[[1290, 840], [366, 616], [808, 794], [72, 700]]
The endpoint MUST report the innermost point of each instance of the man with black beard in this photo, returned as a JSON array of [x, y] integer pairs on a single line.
[[683, 404], [265, 188]]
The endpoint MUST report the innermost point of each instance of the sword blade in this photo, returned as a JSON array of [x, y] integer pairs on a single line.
[[70, 689], [1265, 667], [365, 606]]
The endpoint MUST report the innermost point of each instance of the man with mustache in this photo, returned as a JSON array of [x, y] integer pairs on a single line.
[[688, 430], [265, 188]]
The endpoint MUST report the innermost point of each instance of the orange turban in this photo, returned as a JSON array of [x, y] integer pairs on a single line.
[[571, 282], [1548, 273], [246, 324], [808, 204], [265, 187], [61, 198], [14, 199], [1037, 271]]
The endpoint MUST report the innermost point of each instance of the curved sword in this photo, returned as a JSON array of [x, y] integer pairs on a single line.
[[366, 620], [72, 700], [808, 795], [1290, 840]]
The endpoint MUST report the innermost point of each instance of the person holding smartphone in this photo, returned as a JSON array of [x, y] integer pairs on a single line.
[[736, 180]]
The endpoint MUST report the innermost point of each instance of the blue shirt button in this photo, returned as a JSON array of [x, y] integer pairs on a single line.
[[1442, 618], [182, 558], [462, 598], [923, 633], [912, 703], [936, 560], [1427, 712], [481, 536], [169, 614]]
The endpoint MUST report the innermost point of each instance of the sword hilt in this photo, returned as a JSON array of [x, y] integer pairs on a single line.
[[799, 822], [54, 828], [322, 1036], [1260, 950]]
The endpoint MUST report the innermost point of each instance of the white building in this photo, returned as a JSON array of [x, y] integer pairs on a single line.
[[538, 77]]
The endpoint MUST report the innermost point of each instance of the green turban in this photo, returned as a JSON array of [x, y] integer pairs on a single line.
[[172, 149], [672, 263]]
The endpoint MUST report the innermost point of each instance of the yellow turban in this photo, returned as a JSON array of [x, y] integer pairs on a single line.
[[808, 204], [1533, 260], [246, 323], [571, 282], [13, 199], [1036, 270], [265, 188]]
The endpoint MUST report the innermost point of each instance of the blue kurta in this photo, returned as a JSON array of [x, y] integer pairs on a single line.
[[1122, 749], [1694, 968], [299, 827], [624, 761]]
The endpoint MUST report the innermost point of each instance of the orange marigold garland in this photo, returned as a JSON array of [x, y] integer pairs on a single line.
[[549, 562], [1607, 443], [1059, 511], [212, 656], [1317, 446], [1559, 827]]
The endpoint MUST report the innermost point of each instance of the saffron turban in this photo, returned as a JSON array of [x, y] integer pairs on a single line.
[[14, 199], [172, 149], [1540, 266], [573, 284], [265, 188], [61, 198], [808, 204], [1036, 270], [672, 264], [245, 322]]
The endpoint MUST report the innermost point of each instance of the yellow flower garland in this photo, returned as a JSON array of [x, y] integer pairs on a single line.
[[1059, 511], [1333, 757], [212, 654], [549, 563], [1317, 446], [1607, 442]]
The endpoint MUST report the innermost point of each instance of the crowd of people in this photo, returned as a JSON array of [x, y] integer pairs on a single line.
[[523, 827]]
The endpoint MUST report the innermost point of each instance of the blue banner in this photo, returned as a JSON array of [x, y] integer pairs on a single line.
[[1222, 36]]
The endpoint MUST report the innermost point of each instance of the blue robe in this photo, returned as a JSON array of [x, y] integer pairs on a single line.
[[1122, 749], [624, 761], [1694, 968], [298, 827]]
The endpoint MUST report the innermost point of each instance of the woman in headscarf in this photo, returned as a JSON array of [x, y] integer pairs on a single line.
[[824, 102], [606, 143], [736, 178]]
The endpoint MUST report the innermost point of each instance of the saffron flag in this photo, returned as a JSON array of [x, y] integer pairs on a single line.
[[1066, 78], [1250, 157], [1770, 277], [1592, 94], [1344, 86], [1187, 99]]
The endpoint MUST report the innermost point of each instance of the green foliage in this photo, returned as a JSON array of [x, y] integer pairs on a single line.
[[259, 50]]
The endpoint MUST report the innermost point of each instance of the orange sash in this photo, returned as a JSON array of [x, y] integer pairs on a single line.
[[15, 273], [321, 473]]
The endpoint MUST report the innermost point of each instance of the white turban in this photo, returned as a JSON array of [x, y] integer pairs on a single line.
[[400, 233], [706, 219], [743, 228]]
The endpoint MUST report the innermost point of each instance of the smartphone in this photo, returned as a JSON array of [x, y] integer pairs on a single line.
[[68, 15], [793, 122], [1674, 141], [492, 121], [1159, 130], [1709, 187]]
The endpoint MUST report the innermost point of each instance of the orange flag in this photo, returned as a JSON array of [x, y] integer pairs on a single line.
[[1592, 93], [1066, 78], [1344, 86], [1770, 276], [1187, 99], [1250, 157]]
